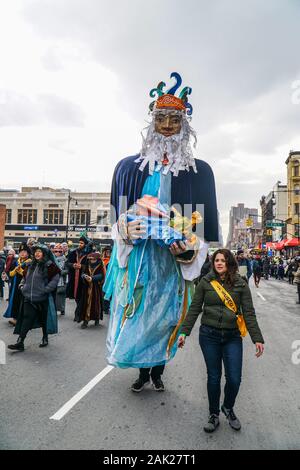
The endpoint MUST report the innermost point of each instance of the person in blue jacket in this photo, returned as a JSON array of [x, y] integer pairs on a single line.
[[245, 269]]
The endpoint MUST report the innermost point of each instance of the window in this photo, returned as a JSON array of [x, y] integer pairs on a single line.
[[27, 205], [53, 216], [296, 208], [296, 170], [27, 216], [297, 190], [101, 216], [80, 217], [53, 205], [296, 230], [8, 216]]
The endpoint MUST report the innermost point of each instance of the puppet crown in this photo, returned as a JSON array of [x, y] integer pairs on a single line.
[[167, 99]]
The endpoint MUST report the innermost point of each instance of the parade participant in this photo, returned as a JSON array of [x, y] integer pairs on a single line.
[[224, 299], [16, 274], [257, 270], [2, 273], [75, 263], [31, 242], [10, 264], [90, 306], [292, 267], [266, 268], [143, 271], [106, 254], [52, 246], [38, 309], [61, 290], [65, 248], [244, 265], [297, 280], [280, 271]]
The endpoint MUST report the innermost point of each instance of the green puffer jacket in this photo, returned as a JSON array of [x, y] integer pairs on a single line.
[[215, 313]]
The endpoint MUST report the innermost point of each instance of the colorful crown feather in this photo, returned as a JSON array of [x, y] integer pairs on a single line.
[[168, 99]]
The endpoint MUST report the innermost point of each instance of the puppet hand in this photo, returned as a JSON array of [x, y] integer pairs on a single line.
[[177, 248], [135, 230]]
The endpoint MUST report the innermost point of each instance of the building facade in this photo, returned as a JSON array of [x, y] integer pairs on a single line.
[[2, 224], [280, 214], [293, 194], [243, 233], [49, 214]]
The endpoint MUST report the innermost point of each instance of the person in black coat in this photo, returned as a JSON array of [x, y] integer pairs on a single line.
[[40, 279], [2, 266]]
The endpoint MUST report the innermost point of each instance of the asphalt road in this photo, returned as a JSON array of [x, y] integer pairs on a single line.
[[37, 383]]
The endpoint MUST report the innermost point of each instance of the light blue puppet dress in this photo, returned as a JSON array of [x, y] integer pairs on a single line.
[[149, 297]]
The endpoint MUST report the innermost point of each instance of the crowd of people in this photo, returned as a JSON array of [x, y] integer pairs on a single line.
[[158, 254], [41, 277], [263, 266]]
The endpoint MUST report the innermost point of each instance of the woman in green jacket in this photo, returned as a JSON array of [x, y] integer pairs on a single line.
[[220, 296]]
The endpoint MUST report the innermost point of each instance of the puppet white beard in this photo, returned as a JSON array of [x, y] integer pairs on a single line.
[[176, 147]]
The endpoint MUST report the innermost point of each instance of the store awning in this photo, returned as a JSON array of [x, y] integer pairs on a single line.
[[271, 245], [280, 245], [292, 242]]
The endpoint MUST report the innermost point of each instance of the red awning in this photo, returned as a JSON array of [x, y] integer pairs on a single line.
[[280, 245], [292, 242], [271, 245]]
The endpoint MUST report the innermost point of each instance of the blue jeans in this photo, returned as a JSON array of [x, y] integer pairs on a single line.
[[221, 346]]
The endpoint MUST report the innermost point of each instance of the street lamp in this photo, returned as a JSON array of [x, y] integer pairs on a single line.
[[68, 212]]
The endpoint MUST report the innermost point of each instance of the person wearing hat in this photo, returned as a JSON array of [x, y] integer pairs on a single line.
[[2, 273], [65, 248], [60, 295], [106, 254], [40, 279], [90, 306], [9, 265], [16, 273], [75, 263]]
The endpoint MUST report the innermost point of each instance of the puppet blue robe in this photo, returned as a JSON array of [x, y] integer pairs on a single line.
[[149, 297]]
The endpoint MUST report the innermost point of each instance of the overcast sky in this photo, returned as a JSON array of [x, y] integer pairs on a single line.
[[75, 77]]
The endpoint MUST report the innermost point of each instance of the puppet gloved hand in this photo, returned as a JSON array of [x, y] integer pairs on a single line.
[[135, 229], [130, 231]]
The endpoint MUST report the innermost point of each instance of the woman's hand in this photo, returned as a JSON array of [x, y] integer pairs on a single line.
[[259, 349], [181, 341]]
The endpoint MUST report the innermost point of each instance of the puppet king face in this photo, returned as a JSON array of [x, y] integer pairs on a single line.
[[168, 124]]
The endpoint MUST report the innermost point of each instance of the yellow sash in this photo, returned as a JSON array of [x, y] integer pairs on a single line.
[[229, 303]]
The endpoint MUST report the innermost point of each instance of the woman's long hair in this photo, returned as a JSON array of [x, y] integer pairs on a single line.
[[231, 265]]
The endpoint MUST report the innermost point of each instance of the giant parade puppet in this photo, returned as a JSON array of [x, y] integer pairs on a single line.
[[165, 216]]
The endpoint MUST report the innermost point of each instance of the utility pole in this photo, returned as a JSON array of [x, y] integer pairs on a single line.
[[68, 211]]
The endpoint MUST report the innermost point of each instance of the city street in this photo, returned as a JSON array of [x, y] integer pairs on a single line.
[[36, 384]]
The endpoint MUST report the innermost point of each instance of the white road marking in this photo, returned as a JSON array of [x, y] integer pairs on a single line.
[[76, 398], [261, 296]]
